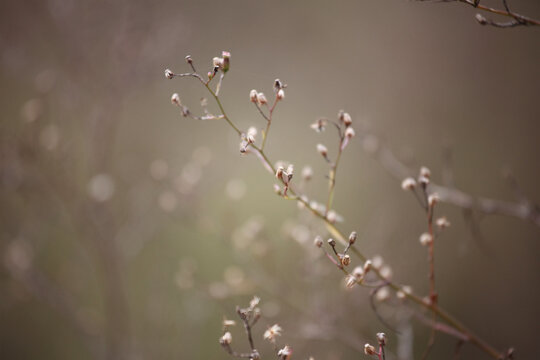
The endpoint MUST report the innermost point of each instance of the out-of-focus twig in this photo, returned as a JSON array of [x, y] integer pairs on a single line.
[[522, 210]]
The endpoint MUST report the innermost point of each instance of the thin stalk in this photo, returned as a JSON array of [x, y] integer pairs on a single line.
[[332, 178]]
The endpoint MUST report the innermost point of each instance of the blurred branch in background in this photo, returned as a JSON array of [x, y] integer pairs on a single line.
[[517, 19], [524, 209]]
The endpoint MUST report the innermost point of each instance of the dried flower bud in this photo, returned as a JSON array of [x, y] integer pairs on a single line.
[[175, 99], [322, 150], [227, 323], [280, 94], [425, 172], [261, 99], [254, 302], [345, 260], [433, 199], [349, 133], [169, 74], [331, 216], [383, 294], [189, 60], [272, 332], [253, 96], [403, 292], [381, 337], [345, 118], [278, 85], [279, 173], [226, 60], [442, 222], [369, 350], [426, 239], [367, 266], [331, 242], [307, 173], [350, 281], [251, 134], [285, 353], [386, 272], [482, 20], [210, 75], [318, 241], [424, 181], [218, 62], [226, 339], [377, 261], [319, 125], [352, 237], [358, 272], [408, 184]]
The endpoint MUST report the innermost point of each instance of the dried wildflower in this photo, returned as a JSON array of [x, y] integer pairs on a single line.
[[408, 184], [285, 353], [318, 241], [175, 99], [226, 60], [189, 60], [280, 94], [345, 118], [349, 133], [227, 323], [253, 96], [331, 242], [377, 261], [433, 199], [425, 172], [350, 281], [381, 338], [307, 173], [442, 222], [278, 85], [352, 237], [226, 339], [369, 350], [426, 239], [272, 332], [482, 20], [319, 125], [345, 260], [261, 99], [169, 74]]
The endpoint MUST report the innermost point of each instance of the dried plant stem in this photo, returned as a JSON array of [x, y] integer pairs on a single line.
[[337, 234], [432, 293], [524, 19], [332, 178]]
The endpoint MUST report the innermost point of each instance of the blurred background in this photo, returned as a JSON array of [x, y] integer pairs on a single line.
[[129, 232]]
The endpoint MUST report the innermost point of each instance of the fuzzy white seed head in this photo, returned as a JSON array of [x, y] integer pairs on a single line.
[[424, 181], [285, 353], [352, 237], [358, 272], [318, 241], [345, 260], [386, 272], [272, 332], [345, 118], [383, 294], [349, 133], [367, 266], [251, 134], [331, 216], [169, 74], [218, 62], [280, 94], [426, 239], [408, 184]]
